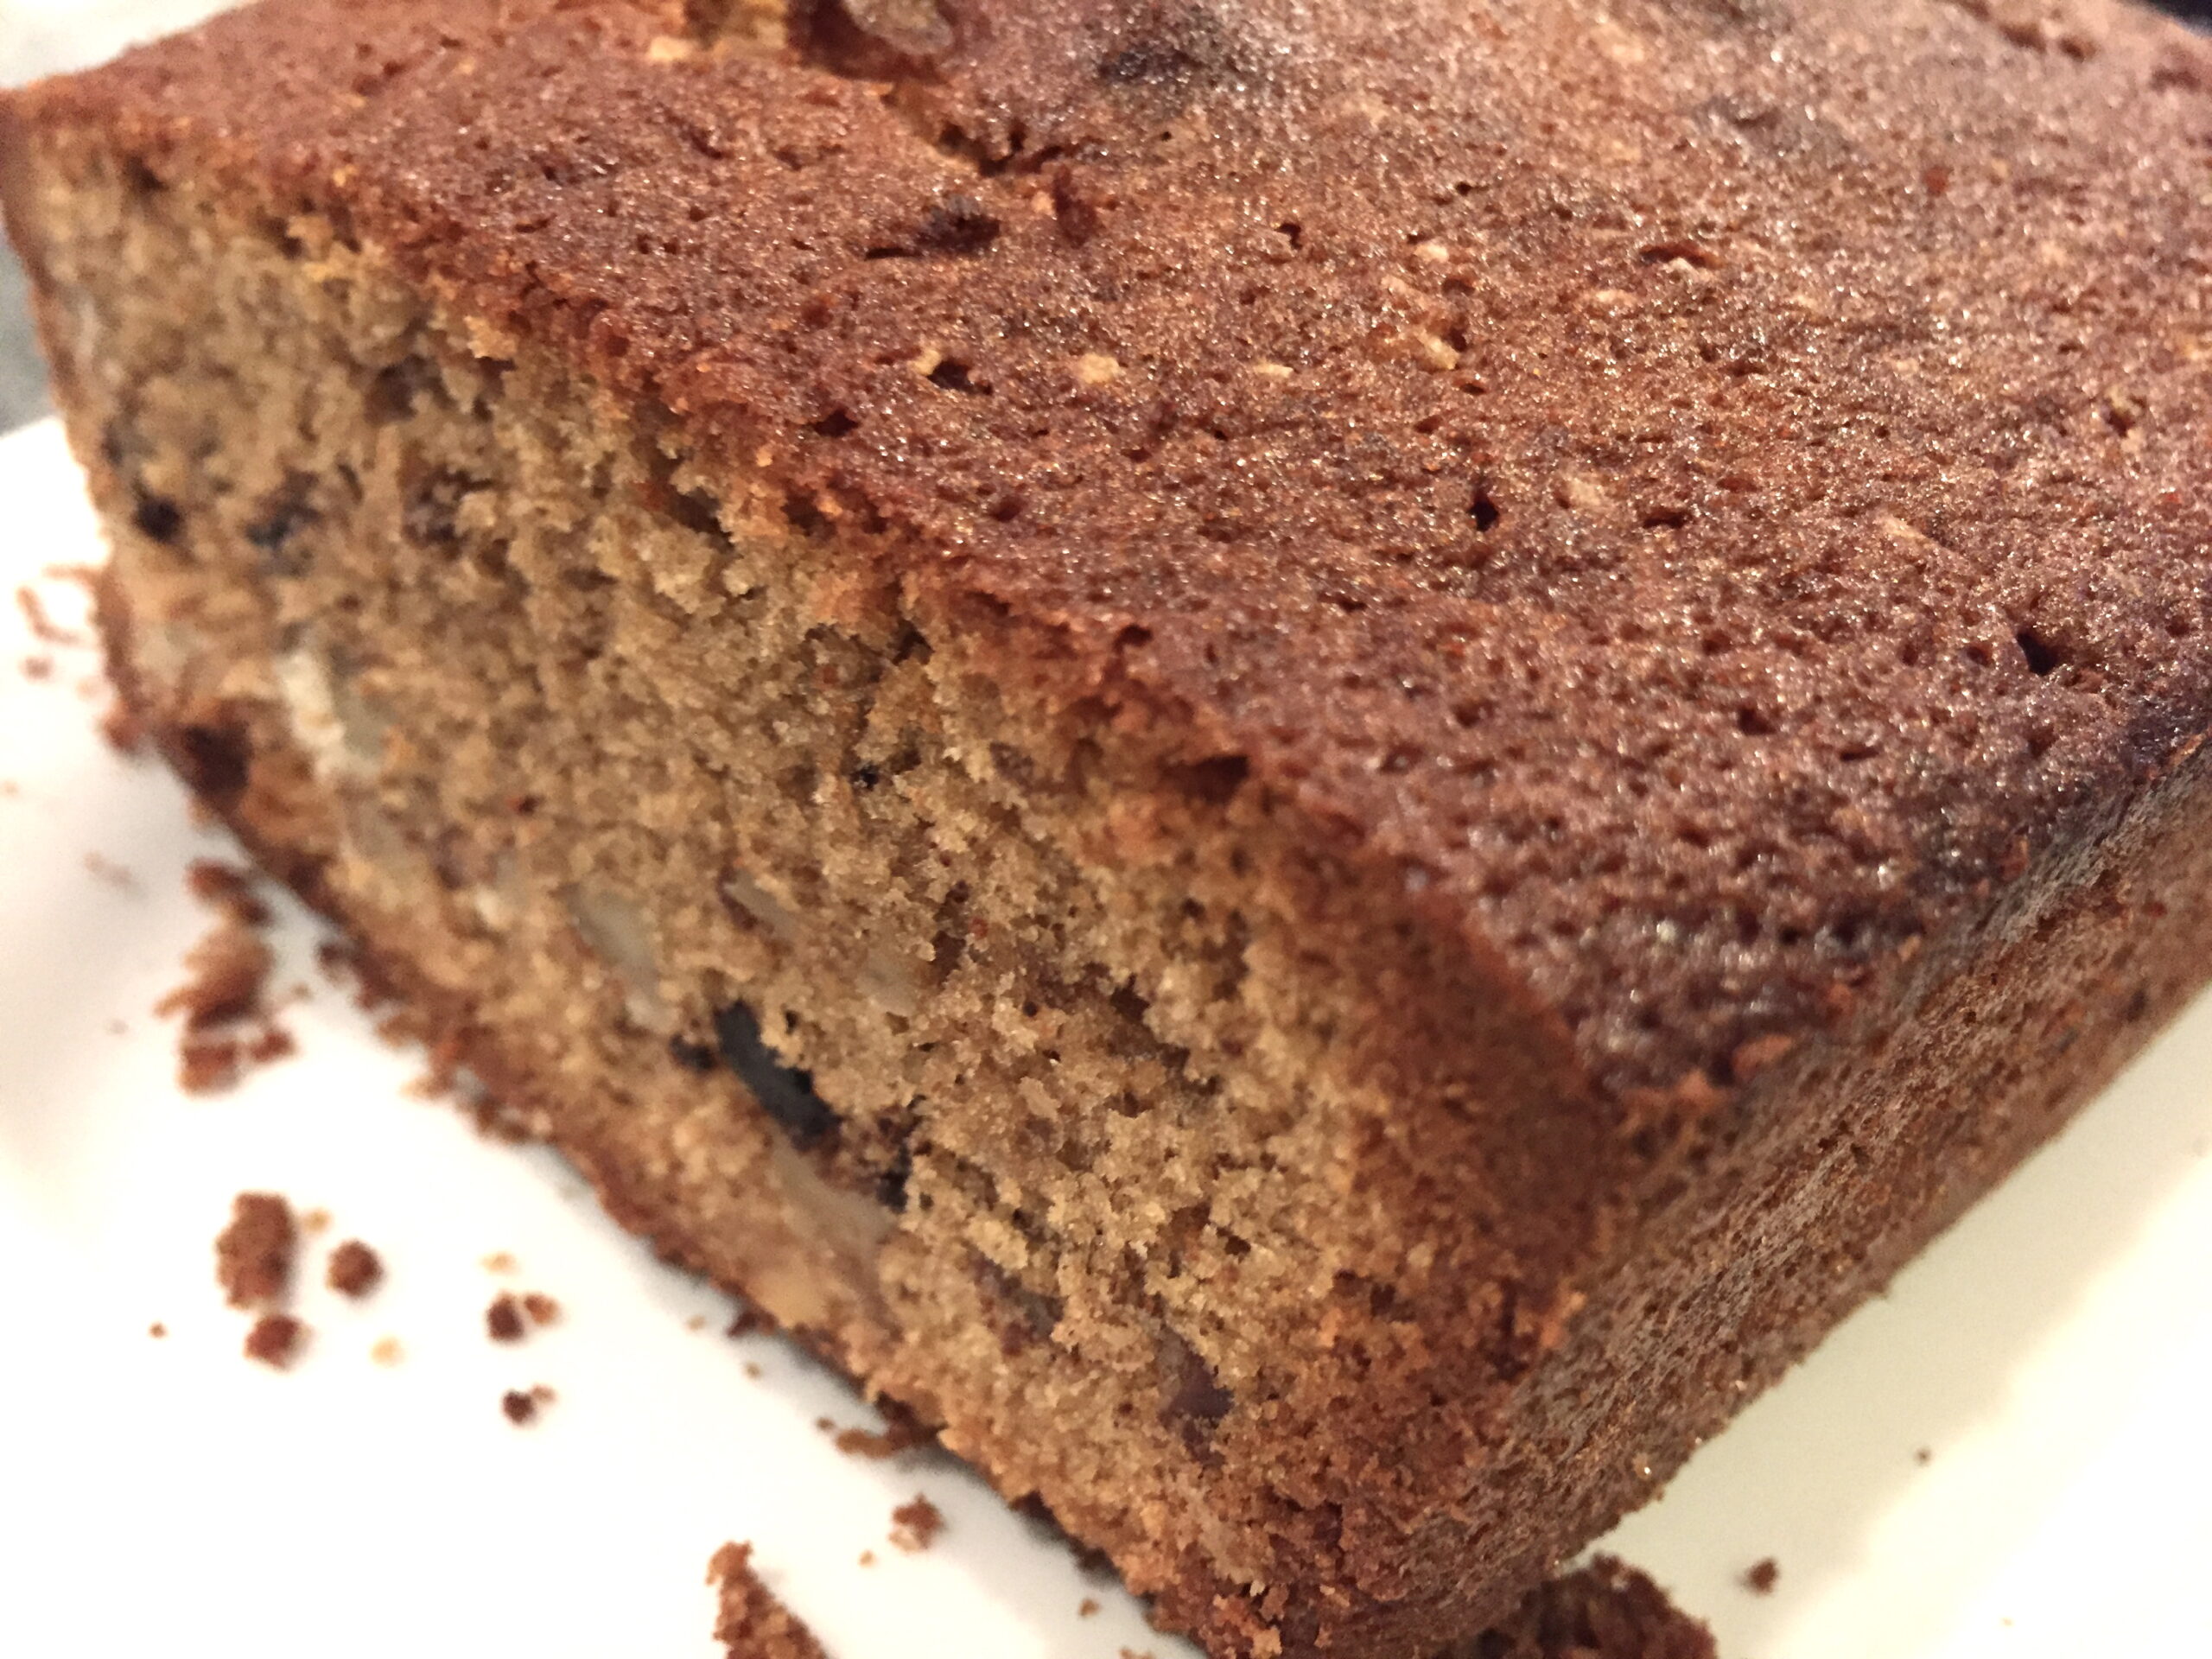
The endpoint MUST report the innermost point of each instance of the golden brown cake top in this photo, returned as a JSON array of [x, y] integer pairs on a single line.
[[1708, 493]]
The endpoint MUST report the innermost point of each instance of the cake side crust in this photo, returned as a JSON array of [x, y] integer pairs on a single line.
[[1822, 1131]]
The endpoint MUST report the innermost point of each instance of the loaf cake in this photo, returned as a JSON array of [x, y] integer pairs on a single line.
[[1312, 764]]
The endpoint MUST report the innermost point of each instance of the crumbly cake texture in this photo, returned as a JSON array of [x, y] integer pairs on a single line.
[[1314, 764]]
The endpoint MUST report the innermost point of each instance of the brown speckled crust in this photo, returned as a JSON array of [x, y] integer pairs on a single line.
[[1729, 519], [1704, 558]]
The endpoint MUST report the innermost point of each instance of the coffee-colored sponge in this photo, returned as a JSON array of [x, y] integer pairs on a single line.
[[1312, 764]]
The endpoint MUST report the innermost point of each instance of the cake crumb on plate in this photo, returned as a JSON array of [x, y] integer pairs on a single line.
[[915, 1525], [275, 1340], [752, 1622], [542, 1308], [354, 1270], [521, 1405], [503, 1320], [254, 1255]]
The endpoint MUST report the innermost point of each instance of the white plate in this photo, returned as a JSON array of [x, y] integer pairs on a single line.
[[2051, 1357]]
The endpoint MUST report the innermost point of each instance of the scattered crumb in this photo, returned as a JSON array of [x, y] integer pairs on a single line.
[[270, 1043], [387, 1350], [157, 1330], [207, 1066], [355, 1270], [503, 1319], [1761, 1578], [229, 967], [44, 627], [38, 668], [697, 1322], [752, 1369], [522, 1405], [1924, 1456], [498, 1262], [914, 1526], [227, 889], [118, 1028], [542, 1308], [751, 1623], [254, 1255], [1087, 1608], [274, 1339], [229, 973], [1131, 1653], [315, 1222], [10, 788], [1604, 1610], [901, 1431], [825, 1424], [867, 1557]]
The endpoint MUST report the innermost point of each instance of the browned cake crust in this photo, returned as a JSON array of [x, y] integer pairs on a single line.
[[1647, 559]]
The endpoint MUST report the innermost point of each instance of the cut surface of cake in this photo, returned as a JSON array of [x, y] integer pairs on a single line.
[[1311, 764]]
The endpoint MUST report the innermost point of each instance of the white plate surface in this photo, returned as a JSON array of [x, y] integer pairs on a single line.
[[2052, 1356]]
